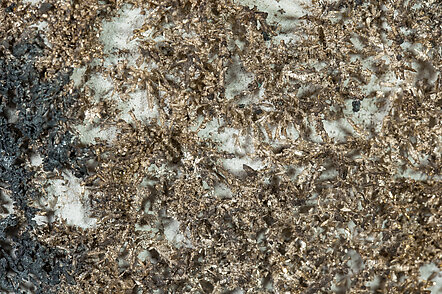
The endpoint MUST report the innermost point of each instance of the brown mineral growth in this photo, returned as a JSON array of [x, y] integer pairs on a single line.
[[220, 146]]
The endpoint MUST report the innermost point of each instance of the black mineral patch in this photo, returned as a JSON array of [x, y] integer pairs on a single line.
[[32, 113], [24, 259], [266, 36], [45, 7], [356, 105]]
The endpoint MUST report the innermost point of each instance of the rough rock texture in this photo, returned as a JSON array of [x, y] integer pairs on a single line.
[[222, 152]]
